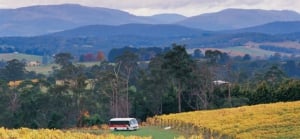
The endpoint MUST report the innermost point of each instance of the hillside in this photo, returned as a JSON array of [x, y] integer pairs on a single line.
[[278, 120], [91, 39], [101, 37], [44, 19], [36, 20], [238, 18], [139, 30], [273, 28]]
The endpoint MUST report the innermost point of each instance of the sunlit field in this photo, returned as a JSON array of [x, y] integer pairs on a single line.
[[278, 120]]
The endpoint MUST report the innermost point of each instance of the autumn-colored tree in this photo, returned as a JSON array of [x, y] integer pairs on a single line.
[[100, 56]]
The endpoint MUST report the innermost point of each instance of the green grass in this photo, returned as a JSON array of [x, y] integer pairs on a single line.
[[154, 132], [247, 50]]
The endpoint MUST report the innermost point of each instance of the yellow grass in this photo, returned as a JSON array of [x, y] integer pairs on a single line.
[[25, 133], [278, 120]]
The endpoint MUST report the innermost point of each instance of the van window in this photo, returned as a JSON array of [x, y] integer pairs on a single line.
[[119, 122], [133, 121]]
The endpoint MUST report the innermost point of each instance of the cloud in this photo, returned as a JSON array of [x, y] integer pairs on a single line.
[[149, 7]]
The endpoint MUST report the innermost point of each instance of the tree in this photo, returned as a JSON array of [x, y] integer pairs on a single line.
[[213, 56], [15, 70], [109, 84], [246, 57], [63, 59], [288, 91], [100, 56], [179, 67], [128, 62], [274, 75], [152, 97], [197, 54]]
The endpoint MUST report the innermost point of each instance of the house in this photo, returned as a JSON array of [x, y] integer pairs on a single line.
[[33, 63]]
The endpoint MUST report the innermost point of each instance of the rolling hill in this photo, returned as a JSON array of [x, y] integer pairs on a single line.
[[238, 18], [101, 37], [277, 120], [283, 27], [95, 38], [36, 20], [142, 30]]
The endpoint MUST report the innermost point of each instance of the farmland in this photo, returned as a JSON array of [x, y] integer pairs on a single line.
[[37, 108], [278, 120]]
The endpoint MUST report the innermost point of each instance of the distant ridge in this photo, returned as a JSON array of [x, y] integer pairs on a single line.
[[146, 30], [45, 19], [282, 27], [167, 18], [238, 18], [35, 20]]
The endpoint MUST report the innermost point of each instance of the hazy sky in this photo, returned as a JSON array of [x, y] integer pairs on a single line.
[[150, 7]]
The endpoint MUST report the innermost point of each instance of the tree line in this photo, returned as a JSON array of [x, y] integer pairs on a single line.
[[171, 81]]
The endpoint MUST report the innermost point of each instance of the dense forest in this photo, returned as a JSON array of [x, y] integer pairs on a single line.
[[141, 83]]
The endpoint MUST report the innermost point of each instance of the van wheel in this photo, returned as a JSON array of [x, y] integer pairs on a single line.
[[115, 129]]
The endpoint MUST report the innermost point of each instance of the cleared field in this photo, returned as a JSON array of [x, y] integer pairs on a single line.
[[43, 69], [10, 56], [253, 51], [46, 69], [278, 120]]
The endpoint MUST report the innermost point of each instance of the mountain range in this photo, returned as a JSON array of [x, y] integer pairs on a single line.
[[277, 27], [78, 29], [38, 20], [238, 18]]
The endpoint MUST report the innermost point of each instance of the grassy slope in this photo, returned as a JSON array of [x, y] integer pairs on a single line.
[[278, 120], [10, 56]]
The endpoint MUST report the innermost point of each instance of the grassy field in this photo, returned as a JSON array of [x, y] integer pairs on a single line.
[[266, 121], [253, 51], [144, 131], [46, 69], [154, 132], [10, 56]]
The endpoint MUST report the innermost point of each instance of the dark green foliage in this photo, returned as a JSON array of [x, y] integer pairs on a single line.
[[197, 54], [288, 91], [246, 57], [56, 121], [143, 54], [14, 70], [171, 82]]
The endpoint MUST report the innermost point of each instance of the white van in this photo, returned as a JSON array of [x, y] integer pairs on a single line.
[[123, 124]]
